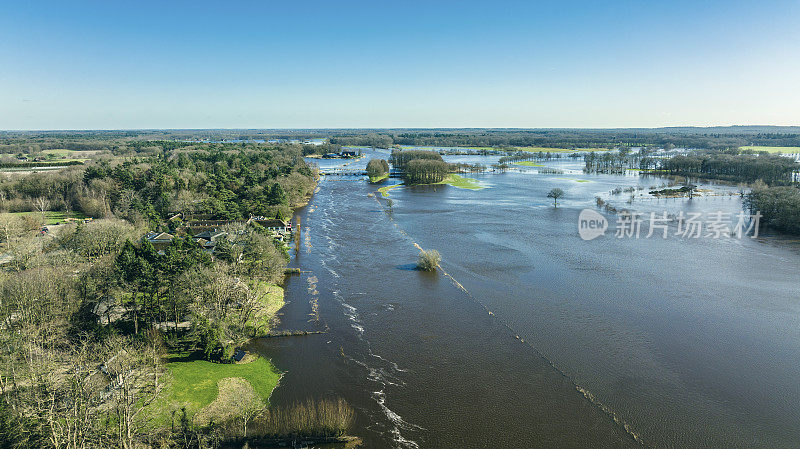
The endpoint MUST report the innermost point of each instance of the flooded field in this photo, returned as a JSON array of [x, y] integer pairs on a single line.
[[533, 337]]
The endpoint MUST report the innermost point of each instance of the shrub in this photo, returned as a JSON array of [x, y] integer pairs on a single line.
[[428, 260], [322, 418]]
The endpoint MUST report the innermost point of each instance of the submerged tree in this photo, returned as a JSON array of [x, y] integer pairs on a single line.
[[428, 260], [401, 158], [377, 168], [425, 171], [555, 194]]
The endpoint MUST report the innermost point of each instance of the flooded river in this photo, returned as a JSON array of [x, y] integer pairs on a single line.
[[535, 337]]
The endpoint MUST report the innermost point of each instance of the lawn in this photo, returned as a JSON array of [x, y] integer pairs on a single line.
[[774, 150], [50, 217], [195, 385]]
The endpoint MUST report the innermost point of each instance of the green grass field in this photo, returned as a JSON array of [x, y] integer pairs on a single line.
[[528, 164], [454, 180], [194, 385], [773, 150], [50, 217], [378, 178], [58, 152], [385, 189], [461, 182]]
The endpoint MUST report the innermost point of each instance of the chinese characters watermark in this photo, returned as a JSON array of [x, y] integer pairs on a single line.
[[690, 225]]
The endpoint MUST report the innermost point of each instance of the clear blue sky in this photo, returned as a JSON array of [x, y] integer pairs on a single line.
[[261, 64]]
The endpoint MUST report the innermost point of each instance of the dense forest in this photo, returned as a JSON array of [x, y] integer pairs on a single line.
[[90, 317], [226, 181], [92, 313]]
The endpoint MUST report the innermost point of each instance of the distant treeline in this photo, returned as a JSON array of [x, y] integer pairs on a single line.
[[707, 138], [772, 169], [688, 137], [518, 156], [14, 146], [39, 164]]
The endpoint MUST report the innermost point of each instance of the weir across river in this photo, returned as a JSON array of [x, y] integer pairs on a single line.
[[338, 171]]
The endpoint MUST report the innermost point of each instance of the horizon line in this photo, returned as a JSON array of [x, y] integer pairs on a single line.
[[397, 128]]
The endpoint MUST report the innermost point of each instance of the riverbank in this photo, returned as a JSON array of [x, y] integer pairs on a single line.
[[216, 392]]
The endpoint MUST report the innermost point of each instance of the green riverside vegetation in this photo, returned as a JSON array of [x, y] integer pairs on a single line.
[[123, 329]]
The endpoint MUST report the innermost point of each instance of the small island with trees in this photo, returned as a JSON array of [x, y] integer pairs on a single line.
[[419, 167]]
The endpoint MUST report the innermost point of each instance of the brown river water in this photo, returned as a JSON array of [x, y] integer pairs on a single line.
[[531, 336]]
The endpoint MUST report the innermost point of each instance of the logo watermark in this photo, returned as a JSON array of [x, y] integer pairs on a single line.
[[591, 224], [718, 224]]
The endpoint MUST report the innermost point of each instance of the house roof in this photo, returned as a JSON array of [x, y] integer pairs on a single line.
[[204, 243], [210, 223], [210, 234], [272, 223], [162, 236]]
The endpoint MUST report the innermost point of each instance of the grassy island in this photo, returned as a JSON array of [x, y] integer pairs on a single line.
[[461, 182], [378, 178]]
